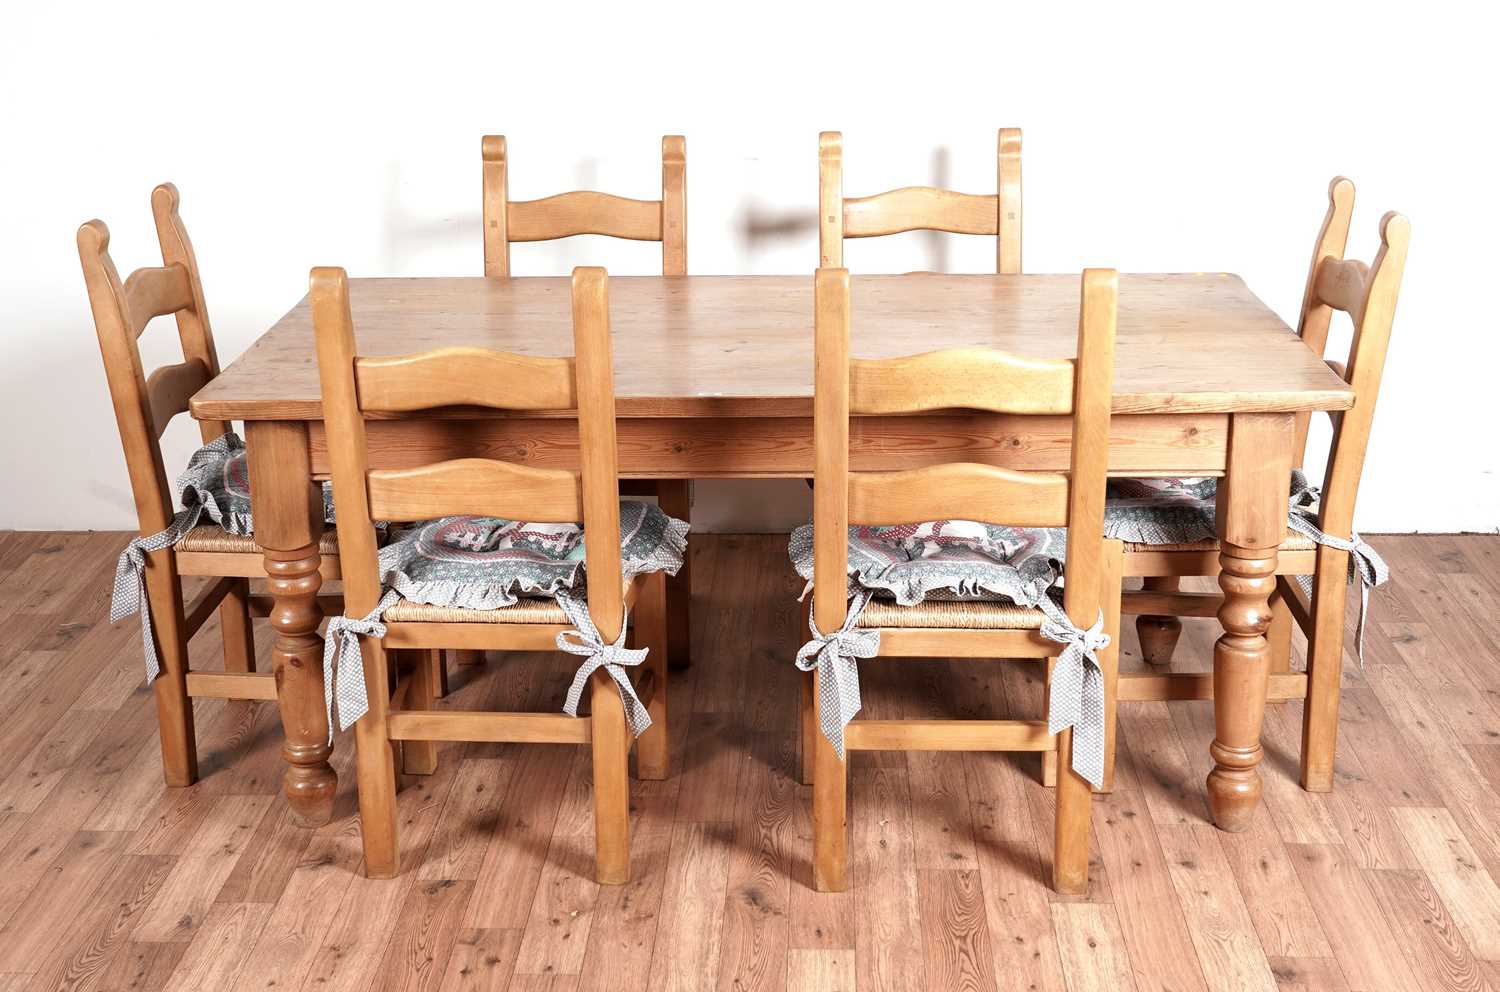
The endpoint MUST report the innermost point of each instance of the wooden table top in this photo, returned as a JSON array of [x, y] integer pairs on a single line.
[[741, 346]]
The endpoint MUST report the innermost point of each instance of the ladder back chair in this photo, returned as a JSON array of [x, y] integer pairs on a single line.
[[588, 212], [1368, 295], [920, 208], [964, 378], [354, 387], [144, 405]]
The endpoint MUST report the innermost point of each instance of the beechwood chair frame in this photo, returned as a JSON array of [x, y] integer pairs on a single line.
[[354, 386], [960, 378], [1368, 295], [920, 208], [144, 405], [565, 215]]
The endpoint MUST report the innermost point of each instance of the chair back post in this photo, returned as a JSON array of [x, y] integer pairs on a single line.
[[1008, 195], [1092, 392], [831, 444], [1312, 322], [333, 330], [830, 200], [127, 380], [1373, 316], [673, 205], [192, 322], [594, 364], [585, 211], [496, 197]]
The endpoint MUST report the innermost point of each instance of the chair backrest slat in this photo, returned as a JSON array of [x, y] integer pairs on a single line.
[[465, 377], [152, 293], [1368, 295], [169, 388], [974, 379], [584, 211], [920, 208], [961, 491], [353, 386], [122, 308], [479, 486], [971, 378]]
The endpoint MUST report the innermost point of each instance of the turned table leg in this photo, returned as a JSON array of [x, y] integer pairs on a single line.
[[1252, 512], [288, 513]]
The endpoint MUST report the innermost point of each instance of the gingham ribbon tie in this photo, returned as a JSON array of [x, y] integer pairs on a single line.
[[834, 657], [129, 595], [344, 691], [1077, 698], [1364, 561], [585, 642]]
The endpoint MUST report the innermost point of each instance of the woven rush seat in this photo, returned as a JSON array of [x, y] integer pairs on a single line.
[[1293, 541], [971, 614], [212, 538]]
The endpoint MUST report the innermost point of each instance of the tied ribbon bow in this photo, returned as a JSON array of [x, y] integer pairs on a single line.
[[129, 595], [344, 692], [834, 658], [1364, 561], [586, 642], [1077, 698]]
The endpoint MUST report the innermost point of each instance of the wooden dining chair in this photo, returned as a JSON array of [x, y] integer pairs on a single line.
[[920, 208], [960, 378], [144, 405], [355, 387], [1368, 295], [588, 212]]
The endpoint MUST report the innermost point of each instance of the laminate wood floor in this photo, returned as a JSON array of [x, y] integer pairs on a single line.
[[109, 881]]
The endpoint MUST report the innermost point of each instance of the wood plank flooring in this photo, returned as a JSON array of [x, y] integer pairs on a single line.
[[109, 881]]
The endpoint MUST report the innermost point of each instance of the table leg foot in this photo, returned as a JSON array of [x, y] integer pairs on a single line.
[[297, 656], [1242, 662]]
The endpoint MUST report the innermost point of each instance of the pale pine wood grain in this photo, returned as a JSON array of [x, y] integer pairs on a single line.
[[1185, 343], [958, 944]]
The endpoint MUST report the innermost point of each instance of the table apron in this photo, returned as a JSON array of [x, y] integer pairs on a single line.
[[772, 447]]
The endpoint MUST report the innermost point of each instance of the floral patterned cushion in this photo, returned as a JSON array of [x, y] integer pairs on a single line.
[[945, 559], [484, 563], [217, 478]]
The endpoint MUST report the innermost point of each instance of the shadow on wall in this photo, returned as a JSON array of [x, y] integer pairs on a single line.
[[720, 506], [762, 229]]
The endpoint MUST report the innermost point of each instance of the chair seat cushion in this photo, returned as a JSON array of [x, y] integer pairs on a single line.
[[210, 538], [945, 560], [1163, 513], [486, 563], [217, 478], [526, 609]]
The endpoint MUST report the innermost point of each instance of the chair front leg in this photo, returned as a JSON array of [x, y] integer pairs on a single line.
[[830, 814], [174, 710], [234, 626], [420, 757], [1070, 858], [375, 771], [1325, 662], [649, 630], [611, 742]]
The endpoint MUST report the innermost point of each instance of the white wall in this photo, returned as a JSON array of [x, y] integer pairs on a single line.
[[1201, 138]]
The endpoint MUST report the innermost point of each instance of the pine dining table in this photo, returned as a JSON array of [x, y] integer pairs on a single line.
[[714, 380]]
